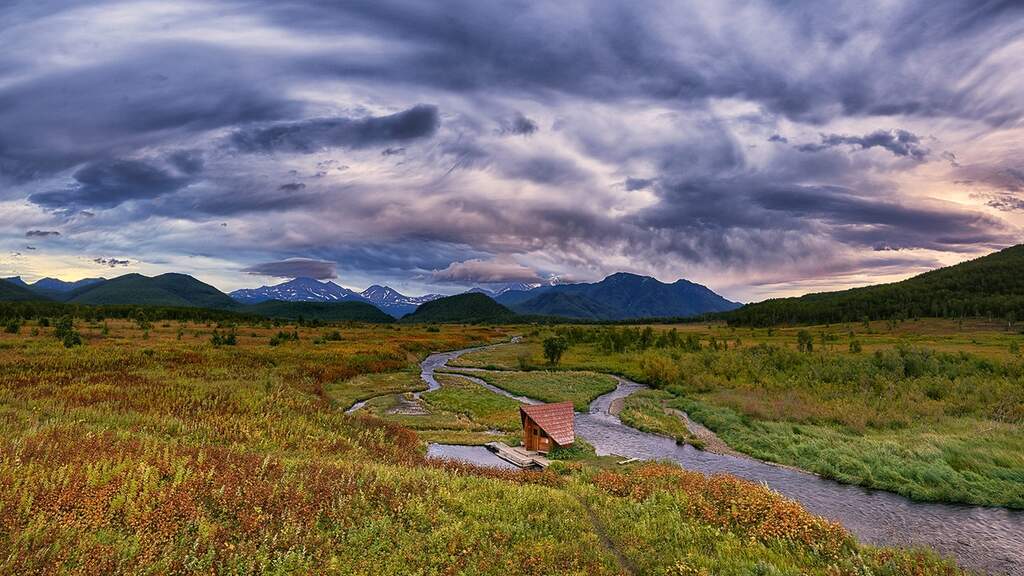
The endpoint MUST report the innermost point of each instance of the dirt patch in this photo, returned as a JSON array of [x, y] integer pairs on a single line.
[[408, 407]]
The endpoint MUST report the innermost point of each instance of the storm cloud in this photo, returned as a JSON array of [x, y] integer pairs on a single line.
[[898, 142], [108, 183], [755, 147], [308, 136], [295, 268]]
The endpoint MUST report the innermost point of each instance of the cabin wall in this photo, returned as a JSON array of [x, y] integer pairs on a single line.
[[534, 438]]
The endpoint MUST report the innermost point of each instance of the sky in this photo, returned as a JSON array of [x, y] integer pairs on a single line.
[[760, 148]]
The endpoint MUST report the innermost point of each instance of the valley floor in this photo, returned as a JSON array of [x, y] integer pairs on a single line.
[[150, 450]]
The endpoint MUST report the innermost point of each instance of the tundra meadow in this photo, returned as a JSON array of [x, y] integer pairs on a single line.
[[184, 447]]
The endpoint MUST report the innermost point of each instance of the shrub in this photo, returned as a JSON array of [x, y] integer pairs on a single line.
[[554, 348], [284, 336], [13, 327], [229, 338], [65, 326], [71, 339], [804, 341]]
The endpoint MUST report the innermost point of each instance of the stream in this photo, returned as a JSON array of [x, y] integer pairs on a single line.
[[979, 538]]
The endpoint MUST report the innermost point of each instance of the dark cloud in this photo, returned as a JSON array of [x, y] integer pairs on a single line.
[[624, 52], [1004, 202], [111, 262], [544, 170], [307, 136], [139, 99], [633, 184], [899, 142], [187, 161], [295, 268], [170, 120], [861, 220], [519, 125], [41, 233], [109, 183]]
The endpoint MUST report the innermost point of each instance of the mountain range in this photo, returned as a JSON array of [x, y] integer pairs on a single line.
[[617, 297], [387, 299], [52, 287], [990, 286], [621, 296]]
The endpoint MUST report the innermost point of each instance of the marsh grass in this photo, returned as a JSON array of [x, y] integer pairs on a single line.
[[646, 410], [365, 386], [580, 388], [461, 396]]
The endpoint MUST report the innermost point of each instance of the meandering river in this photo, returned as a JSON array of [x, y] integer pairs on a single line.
[[980, 538]]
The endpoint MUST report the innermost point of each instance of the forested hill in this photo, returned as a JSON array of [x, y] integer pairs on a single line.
[[10, 292], [990, 286], [470, 308]]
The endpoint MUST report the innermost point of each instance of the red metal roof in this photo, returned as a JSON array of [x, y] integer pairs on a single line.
[[556, 420]]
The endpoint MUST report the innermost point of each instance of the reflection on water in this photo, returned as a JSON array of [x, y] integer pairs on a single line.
[[990, 539], [472, 454]]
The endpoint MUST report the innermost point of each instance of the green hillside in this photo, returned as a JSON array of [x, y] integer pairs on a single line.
[[324, 311], [469, 307], [990, 286], [163, 290], [10, 292], [565, 306]]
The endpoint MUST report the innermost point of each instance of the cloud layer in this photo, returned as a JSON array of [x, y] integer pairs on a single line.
[[750, 146]]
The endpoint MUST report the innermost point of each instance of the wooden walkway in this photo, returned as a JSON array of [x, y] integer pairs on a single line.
[[518, 455]]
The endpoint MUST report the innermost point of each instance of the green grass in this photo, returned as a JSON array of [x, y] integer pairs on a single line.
[[967, 460], [460, 396], [384, 407], [580, 388], [365, 386], [646, 410]]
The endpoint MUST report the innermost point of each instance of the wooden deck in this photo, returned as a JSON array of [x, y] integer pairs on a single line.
[[518, 455]]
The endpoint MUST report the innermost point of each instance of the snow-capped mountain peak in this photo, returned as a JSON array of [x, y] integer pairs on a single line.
[[386, 295], [387, 299], [297, 290]]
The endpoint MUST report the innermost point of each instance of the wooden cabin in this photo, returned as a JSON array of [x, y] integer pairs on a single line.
[[546, 426]]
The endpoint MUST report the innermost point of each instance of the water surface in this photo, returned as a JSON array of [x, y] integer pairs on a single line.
[[472, 454]]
